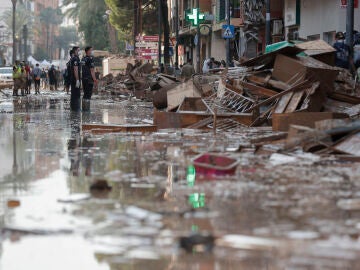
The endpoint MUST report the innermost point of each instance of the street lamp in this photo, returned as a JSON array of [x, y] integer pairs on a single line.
[[13, 29]]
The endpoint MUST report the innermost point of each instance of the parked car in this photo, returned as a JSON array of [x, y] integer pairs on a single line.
[[6, 73]]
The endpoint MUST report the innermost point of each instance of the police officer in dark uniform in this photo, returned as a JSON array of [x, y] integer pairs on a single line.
[[88, 77], [67, 73], [75, 80]]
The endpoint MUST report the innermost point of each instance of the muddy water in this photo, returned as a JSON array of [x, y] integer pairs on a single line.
[[300, 215]]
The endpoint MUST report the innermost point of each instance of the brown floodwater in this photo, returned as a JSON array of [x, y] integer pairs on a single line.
[[291, 211]]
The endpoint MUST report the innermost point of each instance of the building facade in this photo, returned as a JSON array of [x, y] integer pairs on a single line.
[[321, 19], [290, 20], [249, 37], [40, 36]]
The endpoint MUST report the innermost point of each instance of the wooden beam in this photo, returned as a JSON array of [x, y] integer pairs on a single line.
[[165, 120], [258, 90]]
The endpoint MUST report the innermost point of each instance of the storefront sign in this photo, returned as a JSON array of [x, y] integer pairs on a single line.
[[343, 3], [146, 47]]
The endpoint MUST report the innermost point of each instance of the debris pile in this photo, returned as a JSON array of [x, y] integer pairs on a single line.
[[140, 81], [280, 88]]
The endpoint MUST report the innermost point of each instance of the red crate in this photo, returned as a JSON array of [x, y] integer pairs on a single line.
[[213, 165]]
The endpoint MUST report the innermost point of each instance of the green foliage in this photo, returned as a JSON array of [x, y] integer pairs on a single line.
[[121, 16], [91, 18], [41, 54], [22, 16], [51, 16], [67, 37]]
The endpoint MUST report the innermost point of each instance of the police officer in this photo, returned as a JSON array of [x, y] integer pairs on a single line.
[[67, 74], [75, 80], [88, 77]]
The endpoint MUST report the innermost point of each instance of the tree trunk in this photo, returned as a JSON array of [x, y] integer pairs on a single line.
[[164, 11], [47, 39]]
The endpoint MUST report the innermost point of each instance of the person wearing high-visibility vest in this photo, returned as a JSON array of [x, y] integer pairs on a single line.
[[17, 78]]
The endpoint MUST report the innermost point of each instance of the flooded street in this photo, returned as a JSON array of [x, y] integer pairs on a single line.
[[75, 200]]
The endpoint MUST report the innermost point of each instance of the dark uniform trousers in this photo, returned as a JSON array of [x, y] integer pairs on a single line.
[[75, 97], [88, 86]]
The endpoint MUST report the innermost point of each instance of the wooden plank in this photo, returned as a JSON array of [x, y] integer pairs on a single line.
[[283, 103], [264, 81], [350, 145], [282, 122], [165, 120], [294, 102], [104, 128], [258, 90], [298, 87], [345, 98]]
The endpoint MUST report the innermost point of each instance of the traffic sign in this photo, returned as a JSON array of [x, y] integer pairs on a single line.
[[146, 45], [228, 31], [151, 38]]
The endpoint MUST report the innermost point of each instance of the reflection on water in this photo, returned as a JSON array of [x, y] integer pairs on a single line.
[[283, 217]]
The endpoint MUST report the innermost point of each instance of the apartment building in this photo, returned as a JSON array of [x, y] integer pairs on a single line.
[[321, 19], [249, 38], [40, 40]]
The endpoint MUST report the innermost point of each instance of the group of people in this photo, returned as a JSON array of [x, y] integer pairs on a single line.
[[77, 73], [80, 73], [25, 75], [343, 52]]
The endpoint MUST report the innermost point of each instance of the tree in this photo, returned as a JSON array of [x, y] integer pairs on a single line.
[[166, 28], [90, 15], [50, 17], [67, 36], [40, 54], [123, 13], [22, 16]]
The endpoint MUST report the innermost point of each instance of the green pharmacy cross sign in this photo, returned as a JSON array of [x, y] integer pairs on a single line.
[[194, 16]]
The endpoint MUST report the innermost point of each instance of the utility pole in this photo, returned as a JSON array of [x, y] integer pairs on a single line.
[[177, 31], [268, 23], [350, 25], [228, 21], [13, 29], [136, 21], [140, 17], [160, 34], [198, 38], [25, 35]]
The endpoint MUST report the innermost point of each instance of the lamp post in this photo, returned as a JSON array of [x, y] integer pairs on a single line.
[[177, 31], [13, 29], [350, 25], [198, 39], [268, 23], [228, 21]]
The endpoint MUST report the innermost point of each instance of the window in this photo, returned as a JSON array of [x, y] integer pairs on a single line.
[[220, 8], [235, 9]]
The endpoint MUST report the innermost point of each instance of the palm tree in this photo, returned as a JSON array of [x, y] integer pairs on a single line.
[[49, 17], [67, 36], [22, 17], [90, 17]]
